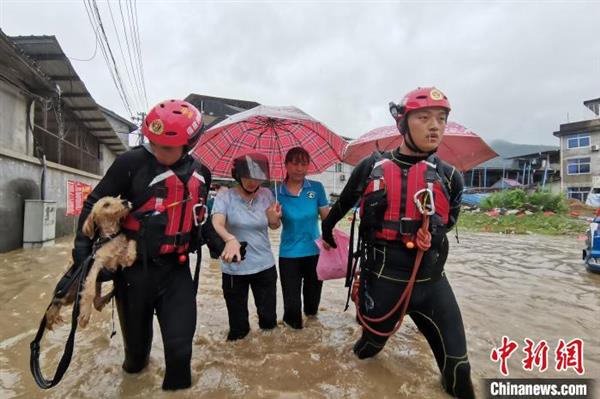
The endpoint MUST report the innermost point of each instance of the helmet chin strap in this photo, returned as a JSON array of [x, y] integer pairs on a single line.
[[410, 143]]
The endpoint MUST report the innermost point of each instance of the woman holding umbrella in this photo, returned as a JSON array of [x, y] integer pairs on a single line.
[[302, 201], [409, 199], [244, 213]]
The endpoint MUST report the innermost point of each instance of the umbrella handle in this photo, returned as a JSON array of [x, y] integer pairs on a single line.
[[275, 190]]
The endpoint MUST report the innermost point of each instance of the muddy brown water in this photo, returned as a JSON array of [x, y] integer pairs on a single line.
[[519, 286]]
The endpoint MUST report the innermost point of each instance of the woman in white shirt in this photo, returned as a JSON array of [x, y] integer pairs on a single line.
[[244, 213]]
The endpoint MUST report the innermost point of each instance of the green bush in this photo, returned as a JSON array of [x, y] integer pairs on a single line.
[[540, 200], [548, 201], [512, 199]]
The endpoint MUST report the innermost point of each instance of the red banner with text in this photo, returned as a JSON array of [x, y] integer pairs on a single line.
[[77, 192]]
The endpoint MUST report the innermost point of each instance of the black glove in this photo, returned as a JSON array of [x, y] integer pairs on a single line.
[[327, 234]]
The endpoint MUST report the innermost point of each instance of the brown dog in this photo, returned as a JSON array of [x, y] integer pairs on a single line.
[[105, 217]]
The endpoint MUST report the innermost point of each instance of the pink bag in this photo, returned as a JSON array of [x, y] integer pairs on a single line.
[[333, 262]]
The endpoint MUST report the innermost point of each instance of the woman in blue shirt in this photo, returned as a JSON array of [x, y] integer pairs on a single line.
[[302, 202], [243, 214]]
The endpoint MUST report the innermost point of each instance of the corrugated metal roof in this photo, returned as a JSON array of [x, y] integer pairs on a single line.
[[218, 108], [19, 70], [539, 152], [49, 57], [508, 152], [197, 100]]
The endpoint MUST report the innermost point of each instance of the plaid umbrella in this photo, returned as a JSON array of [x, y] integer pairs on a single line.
[[271, 131], [460, 146]]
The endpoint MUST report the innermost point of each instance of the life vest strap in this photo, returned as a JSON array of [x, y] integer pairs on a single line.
[[177, 240], [404, 226]]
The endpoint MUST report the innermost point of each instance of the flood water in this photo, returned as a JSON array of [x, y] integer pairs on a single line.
[[519, 286]]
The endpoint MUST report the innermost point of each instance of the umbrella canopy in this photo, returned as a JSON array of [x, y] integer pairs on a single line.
[[271, 131], [460, 147]]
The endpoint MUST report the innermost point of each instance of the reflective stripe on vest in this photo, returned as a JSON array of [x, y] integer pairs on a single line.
[[177, 199]]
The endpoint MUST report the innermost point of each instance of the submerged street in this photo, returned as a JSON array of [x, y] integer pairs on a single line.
[[520, 286]]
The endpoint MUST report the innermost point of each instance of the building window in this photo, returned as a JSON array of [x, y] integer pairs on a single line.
[[338, 167], [578, 140], [578, 166], [578, 193]]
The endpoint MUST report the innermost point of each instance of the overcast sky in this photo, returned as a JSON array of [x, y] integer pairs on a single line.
[[512, 70]]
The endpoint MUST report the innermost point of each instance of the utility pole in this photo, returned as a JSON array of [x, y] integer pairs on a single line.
[[138, 119]]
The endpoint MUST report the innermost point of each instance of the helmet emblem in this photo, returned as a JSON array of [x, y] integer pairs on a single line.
[[156, 126], [435, 94], [187, 112]]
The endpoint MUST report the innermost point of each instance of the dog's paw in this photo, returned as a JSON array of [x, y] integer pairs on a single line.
[[129, 259], [130, 253], [53, 317], [84, 318], [101, 301]]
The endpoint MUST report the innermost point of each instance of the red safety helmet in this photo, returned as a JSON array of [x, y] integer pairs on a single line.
[[423, 97], [173, 123]]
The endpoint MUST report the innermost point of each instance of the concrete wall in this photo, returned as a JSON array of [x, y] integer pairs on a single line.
[[108, 157], [553, 187], [20, 180], [332, 180], [591, 127], [586, 180], [20, 172], [13, 118], [122, 129]]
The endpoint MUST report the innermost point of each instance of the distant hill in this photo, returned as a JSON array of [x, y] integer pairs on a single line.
[[506, 149]]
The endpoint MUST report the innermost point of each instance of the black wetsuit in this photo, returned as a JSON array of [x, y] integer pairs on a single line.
[[164, 286], [386, 269]]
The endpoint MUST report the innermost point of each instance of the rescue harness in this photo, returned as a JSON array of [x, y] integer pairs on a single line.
[[389, 215]]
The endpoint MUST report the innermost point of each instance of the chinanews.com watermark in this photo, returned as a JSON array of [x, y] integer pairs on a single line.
[[517, 388], [566, 357]]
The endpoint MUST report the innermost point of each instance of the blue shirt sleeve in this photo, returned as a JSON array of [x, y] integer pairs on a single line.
[[220, 204], [321, 196]]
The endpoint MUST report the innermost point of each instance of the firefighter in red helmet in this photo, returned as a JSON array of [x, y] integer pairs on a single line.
[[167, 189], [409, 199]]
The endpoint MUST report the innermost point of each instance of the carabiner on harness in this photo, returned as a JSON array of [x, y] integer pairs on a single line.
[[427, 206], [195, 214]]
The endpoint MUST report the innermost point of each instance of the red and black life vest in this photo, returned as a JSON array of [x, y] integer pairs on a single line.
[[387, 207], [164, 220]]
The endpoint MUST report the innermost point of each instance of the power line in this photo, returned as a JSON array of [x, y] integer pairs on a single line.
[[112, 57], [110, 70], [126, 23], [132, 80], [94, 15], [136, 45], [139, 50], [93, 55], [130, 86]]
